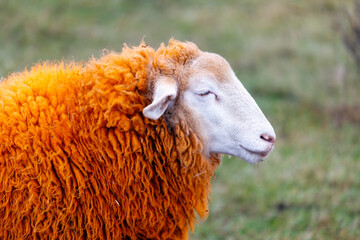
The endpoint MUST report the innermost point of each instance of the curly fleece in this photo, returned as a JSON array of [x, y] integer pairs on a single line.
[[78, 159]]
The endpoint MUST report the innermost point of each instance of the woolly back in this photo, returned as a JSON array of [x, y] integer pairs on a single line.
[[91, 165]]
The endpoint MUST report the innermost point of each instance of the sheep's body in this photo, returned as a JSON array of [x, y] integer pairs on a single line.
[[79, 160]]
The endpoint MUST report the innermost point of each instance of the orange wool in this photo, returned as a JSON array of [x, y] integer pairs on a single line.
[[78, 160]]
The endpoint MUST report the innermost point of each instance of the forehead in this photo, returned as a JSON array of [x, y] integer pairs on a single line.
[[212, 64]]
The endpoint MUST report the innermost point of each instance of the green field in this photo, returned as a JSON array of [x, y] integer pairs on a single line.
[[290, 57]]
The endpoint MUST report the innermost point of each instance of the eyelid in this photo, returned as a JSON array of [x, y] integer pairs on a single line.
[[205, 93]]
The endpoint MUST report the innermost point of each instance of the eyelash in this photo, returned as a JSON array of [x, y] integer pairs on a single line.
[[205, 93]]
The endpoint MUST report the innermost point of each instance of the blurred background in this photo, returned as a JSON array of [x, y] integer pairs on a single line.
[[299, 59]]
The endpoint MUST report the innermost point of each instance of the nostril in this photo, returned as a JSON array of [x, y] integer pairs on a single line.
[[267, 138]]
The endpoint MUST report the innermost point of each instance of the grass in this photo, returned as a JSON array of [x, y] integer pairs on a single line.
[[288, 54]]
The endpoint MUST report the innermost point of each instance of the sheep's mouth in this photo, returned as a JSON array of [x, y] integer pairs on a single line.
[[262, 154]]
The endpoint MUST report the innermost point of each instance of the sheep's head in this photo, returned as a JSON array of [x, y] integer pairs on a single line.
[[202, 89]]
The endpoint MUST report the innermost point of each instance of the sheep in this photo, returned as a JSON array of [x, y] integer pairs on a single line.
[[121, 147]]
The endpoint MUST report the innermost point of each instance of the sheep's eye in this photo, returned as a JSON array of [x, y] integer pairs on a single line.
[[205, 93]]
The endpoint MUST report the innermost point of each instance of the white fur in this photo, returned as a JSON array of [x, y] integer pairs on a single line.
[[231, 121]]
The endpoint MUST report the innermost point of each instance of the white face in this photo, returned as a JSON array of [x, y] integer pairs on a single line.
[[230, 122]]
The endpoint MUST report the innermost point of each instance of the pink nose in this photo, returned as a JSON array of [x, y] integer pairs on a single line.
[[268, 138]]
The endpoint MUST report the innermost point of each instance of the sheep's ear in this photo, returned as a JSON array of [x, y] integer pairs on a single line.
[[164, 94]]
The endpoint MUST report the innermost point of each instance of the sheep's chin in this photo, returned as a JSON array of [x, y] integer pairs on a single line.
[[252, 157]]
